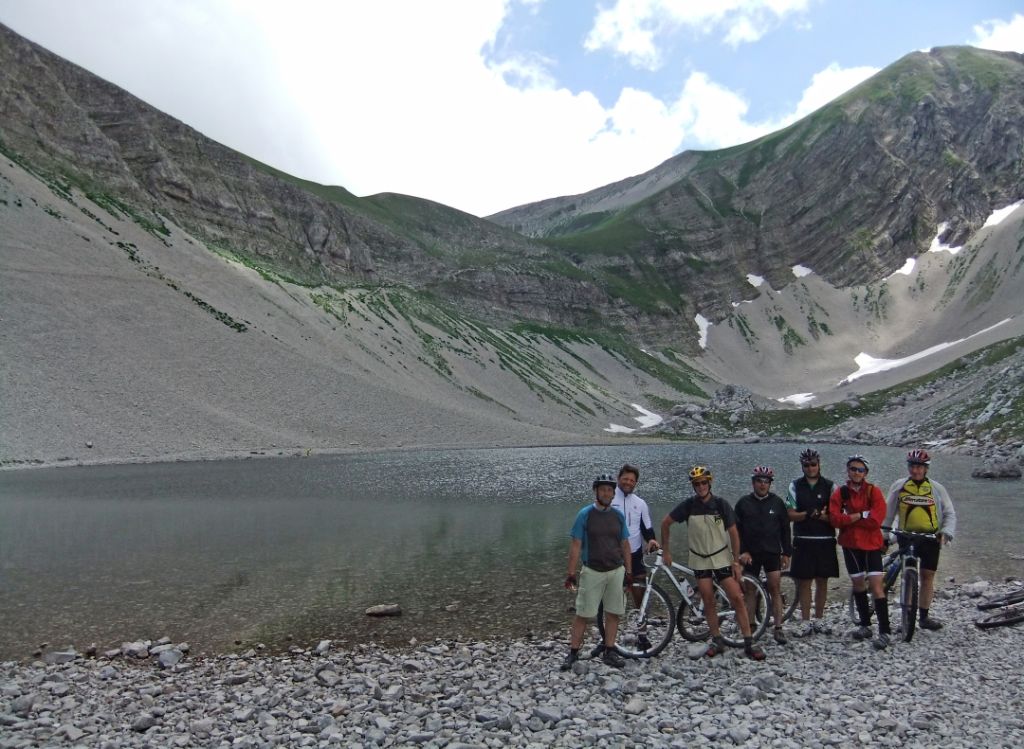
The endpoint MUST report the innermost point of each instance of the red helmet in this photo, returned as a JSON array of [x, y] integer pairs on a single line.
[[919, 457], [763, 472]]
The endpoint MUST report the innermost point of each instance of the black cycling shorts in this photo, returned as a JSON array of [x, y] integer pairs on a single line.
[[639, 570], [814, 558], [719, 575], [761, 560], [860, 562], [927, 550]]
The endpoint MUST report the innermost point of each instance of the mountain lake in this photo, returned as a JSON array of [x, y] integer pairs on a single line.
[[287, 551]]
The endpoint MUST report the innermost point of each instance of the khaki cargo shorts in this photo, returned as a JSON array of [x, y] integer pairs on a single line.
[[600, 587]]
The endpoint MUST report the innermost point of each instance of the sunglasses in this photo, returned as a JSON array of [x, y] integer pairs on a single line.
[[809, 465], [762, 481], [857, 469], [701, 483]]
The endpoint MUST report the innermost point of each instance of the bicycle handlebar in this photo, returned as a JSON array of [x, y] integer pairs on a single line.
[[918, 534]]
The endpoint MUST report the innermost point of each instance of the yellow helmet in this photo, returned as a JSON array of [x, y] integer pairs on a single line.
[[700, 473]]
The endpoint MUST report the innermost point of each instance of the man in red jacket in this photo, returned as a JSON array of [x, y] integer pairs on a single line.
[[857, 510]]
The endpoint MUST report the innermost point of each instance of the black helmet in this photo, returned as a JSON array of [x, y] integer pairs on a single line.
[[809, 456], [605, 479]]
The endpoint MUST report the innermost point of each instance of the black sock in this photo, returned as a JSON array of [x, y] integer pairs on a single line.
[[882, 609], [574, 651], [861, 600], [924, 614]]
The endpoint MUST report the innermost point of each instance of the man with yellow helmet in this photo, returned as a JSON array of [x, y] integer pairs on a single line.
[[714, 555]]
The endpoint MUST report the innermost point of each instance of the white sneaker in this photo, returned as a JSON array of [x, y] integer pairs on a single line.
[[806, 630], [821, 627]]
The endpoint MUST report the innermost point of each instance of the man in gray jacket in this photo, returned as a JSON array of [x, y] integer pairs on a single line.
[[922, 506]]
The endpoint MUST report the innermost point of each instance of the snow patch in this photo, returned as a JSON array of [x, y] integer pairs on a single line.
[[754, 281], [702, 324], [997, 217], [801, 270], [797, 399], [646, 419], [906, 270], [937, 246], [868, 364]]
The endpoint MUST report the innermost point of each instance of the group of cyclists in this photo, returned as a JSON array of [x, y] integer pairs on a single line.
[[765, 532]]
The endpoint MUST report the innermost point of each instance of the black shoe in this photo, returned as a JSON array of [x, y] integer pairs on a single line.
[[569, 660], [642, 643], [613, 659], [598, 649], [780, 636], [929, 623]]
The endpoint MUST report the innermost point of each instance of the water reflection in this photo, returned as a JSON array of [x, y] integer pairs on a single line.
[[471, 543]]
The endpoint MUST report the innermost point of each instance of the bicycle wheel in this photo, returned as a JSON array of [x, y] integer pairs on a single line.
[[1001, 618], [645, 632], [758, 613], [690, 619], [790, 590], [1008, 600], [909, 589]]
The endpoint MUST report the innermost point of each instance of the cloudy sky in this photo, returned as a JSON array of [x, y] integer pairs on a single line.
[[487, 104]]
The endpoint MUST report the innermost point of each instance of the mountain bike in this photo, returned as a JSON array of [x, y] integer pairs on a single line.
[[1009, 610], [645, 630], [904, 566], [789, 590]]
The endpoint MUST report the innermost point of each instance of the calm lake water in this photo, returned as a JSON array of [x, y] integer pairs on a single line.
[[263, 550]]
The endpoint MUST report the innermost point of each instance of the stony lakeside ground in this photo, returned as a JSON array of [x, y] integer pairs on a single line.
[[959, 687]]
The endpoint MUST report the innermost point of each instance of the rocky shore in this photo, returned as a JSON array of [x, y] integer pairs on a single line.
[[959, 687]]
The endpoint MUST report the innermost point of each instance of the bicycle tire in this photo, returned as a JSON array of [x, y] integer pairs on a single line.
[[790, 589], [1008, 600], [690, 620], [759, 616], [1001, 618], [656, 623], [910, 587]]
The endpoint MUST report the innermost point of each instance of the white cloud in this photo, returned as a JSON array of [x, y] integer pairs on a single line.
[[341, 94], [827, 84], [633, 28], [1005, 36]]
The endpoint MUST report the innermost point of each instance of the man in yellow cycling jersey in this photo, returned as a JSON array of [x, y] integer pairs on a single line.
[[922, 505]]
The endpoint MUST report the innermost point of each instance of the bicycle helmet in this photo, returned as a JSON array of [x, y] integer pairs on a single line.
[[857, 459], [919, 457], [700, 473], [763, 472], [810, 456], [605, 479]]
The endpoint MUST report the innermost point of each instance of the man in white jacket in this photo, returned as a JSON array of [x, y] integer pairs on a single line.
[[641, 530], [922, 505]]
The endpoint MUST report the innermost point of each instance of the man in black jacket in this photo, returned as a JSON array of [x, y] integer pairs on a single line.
[[763, 524], [814, 540]]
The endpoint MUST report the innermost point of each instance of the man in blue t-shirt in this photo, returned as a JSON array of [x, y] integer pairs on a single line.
[[600, 539]]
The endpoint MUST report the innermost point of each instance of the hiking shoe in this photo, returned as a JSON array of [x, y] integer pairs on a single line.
[[569, 660], [821, 627], [806, 630], [754, 653], [613, 659], [717, 647], [780, 636], [642, 643], [862, 633], [881, 642], [598, 649], [929, 623]]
